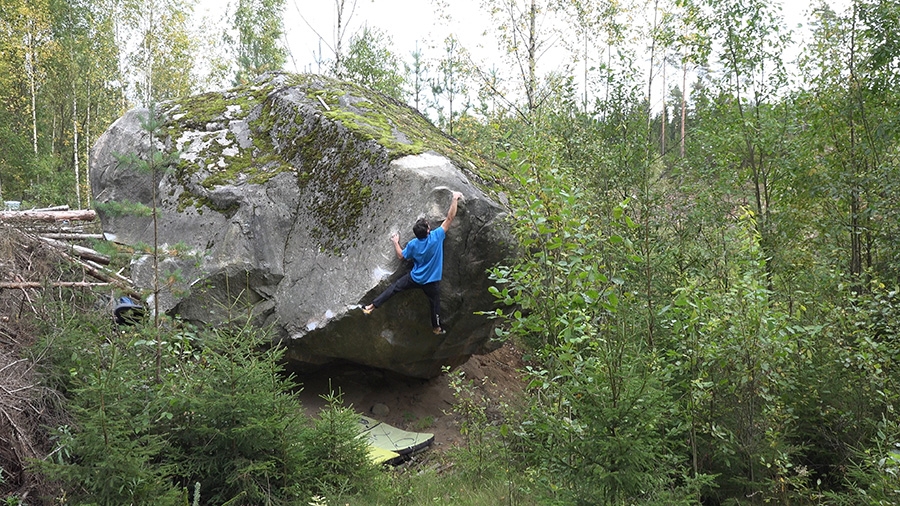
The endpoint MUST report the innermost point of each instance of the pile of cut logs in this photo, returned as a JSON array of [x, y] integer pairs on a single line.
[[61, 228]]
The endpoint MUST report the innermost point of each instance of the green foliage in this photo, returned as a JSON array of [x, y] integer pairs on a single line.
[[116, 455], [46, 183], [561, 288], [710, 354], [116, 208], [735, 347], [874, 476], [371, 63], [596, 429], [172, 49], [485, 439], [339, 456], [220, 415], [15, 160], [450, 86], [236, 428], [258, 45]]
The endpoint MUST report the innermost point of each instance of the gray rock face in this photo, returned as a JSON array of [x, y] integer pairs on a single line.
[[280, 204]]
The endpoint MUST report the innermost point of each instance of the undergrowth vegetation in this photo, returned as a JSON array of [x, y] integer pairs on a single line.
[[219, 422]]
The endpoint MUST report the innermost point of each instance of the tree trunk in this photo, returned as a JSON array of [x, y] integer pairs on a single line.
[[81, 251], [683, 104], [84, 215], [54, 284], [532, 58], [87, 142], [664, 116], [75, 149], [855, 266], [151, 29], [29, 69]]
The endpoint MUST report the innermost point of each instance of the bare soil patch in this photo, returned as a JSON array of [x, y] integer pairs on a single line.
[[415, 404]]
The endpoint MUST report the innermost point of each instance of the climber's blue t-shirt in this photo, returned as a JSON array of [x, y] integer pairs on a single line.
[[427, 255]]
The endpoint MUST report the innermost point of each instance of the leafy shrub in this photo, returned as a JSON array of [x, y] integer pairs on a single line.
[[338, 457], [597, 429], [215, 410]]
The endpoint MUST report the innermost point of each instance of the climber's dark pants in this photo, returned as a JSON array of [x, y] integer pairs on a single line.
[[432, 291]]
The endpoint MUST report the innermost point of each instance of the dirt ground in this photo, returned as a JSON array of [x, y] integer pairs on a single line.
[[414, 404]]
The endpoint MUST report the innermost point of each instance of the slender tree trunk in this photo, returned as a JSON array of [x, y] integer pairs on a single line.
[[650, 75], [855, 205], [87, 142], [683, 104], [608, 79], [47, 216], [645, 182], [585, 71], [342, 22], [30, 70], [450, 94], [148, 37], [33, 112], [337, 41], [664, 116], [532, 58], [75, 149], [53, 134]]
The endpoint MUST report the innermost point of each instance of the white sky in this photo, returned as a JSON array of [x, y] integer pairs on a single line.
[[411, 21], [415, 22], [406, 21]]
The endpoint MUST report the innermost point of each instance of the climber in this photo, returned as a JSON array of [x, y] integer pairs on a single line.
[[427, 253]]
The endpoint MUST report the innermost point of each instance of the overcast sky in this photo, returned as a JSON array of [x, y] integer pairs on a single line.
[[414, 22]]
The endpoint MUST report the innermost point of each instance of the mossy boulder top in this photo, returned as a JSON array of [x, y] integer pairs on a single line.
[[278, 200]]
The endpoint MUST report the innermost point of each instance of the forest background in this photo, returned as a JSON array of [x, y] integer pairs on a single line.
[[710, 302]]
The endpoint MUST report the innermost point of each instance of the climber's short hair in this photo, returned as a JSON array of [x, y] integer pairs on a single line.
[[421, 228]]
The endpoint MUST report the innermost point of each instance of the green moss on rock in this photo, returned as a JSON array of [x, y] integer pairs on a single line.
[[337, 137], [228, 162], [399, 128]]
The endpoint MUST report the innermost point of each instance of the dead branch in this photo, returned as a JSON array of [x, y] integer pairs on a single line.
[[114, 275], [48, 216], [54, 284], [102, 274], [7, 366], [81, 251], [73, 236]]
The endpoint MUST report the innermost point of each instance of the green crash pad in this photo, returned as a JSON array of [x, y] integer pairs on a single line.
[[388, 444]]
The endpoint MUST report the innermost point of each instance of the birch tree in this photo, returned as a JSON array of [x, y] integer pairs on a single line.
[[258, 47], [523, 38], [163, 61], [85, 63], [449, 86], [371, 63], [851, 70]]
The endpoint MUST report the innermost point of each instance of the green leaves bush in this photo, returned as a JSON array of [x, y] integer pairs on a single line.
[[221, 414], [596, 430]]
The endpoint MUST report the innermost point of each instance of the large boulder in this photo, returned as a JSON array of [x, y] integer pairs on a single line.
[[278, 199]]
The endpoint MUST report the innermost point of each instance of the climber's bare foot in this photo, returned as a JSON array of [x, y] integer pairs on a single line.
[[368, 309]]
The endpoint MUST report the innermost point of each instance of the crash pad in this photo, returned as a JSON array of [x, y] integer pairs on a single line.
[[382, 456], [388, 444]]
